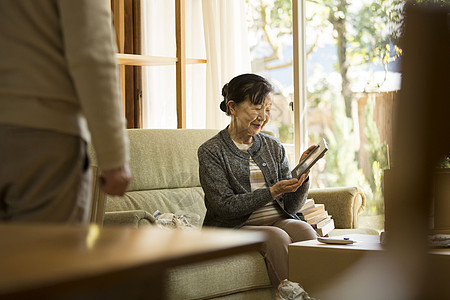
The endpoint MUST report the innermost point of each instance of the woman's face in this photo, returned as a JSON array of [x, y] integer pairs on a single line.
[[251, 118]]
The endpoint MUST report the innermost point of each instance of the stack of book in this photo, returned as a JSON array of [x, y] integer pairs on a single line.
[[316, 215]]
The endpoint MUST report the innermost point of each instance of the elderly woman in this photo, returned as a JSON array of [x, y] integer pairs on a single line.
[[246, 177]]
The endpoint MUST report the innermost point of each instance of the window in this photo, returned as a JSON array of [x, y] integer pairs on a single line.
[[167, 34], [177, 67], [337, 63], [142, 61], [277, 44]]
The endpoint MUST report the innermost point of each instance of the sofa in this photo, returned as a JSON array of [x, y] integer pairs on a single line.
[[165, 178]]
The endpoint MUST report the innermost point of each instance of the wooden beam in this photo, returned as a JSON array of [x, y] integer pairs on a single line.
[[137, 45], [299, 59], [129, 70], [122, 86], [145, 60], [119, 21], [191, 61], [181, 62], [119, 28]]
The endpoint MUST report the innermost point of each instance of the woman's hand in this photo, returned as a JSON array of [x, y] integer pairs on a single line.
[[307, 151], [291, 185], [288, 186]]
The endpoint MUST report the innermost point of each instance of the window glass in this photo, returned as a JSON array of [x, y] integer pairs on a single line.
[[159, 97], [270, 41], [159, 82], [352, 66], [158, 28], [196, 96], [195, 38]]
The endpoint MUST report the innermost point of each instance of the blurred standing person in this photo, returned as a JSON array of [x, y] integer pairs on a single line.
[[59, 88]]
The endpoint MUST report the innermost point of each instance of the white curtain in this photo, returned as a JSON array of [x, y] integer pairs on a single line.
[[215, 30], [195, 73], [159, 93], [227, 52]]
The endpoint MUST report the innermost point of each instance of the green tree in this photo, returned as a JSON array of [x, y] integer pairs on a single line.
[[337, 16], [367, 35], [363, 36], [268, 21], [377, 158], [341, 167], [376, 30]]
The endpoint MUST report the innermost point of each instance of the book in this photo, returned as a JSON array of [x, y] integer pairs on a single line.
[[321, 223], [308, 204], [314, 211], [323, 231], [317, 218], [316, 215], [313, 208]]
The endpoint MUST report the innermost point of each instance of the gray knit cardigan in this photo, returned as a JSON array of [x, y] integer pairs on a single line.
[[225, 178]]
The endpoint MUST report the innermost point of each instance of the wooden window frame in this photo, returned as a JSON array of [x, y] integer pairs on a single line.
[[127, 24], [299, 67]]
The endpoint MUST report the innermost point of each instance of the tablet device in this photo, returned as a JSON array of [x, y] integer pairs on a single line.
[[310, 160]]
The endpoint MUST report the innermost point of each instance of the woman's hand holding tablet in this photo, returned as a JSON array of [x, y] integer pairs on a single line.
[[312, 157]]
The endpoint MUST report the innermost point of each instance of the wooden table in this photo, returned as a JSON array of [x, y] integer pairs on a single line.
[[59, 261], [316, 265]]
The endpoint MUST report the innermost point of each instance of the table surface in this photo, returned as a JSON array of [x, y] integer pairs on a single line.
[[34, 255], [362, 242], [316, 265]]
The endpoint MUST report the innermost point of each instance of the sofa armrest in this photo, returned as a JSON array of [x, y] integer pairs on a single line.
[[134, 218], [344, 204], [98, 198]]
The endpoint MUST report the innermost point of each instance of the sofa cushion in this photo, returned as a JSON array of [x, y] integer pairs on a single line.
[[134, 218], [166, 200], [220, 277], [164, 165], [166, 158]]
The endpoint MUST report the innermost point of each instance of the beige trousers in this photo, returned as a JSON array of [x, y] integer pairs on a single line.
[[45, 176], [275, 249]]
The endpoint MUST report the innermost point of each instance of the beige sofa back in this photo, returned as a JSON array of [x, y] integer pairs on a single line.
[[165, 172]]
